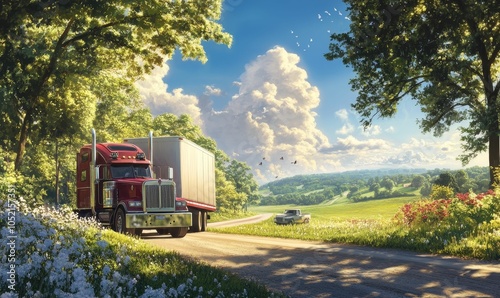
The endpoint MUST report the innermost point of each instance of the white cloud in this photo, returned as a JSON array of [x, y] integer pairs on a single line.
[[154, 93], [342, 114], [345, 129], [272, 116], [211, 90], [371, 130]]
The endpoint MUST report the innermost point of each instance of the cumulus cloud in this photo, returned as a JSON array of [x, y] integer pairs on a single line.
[[347, 127], [342, 114], [271, 120], [371, 130], [154, 93], [270, 124], [211, 90]]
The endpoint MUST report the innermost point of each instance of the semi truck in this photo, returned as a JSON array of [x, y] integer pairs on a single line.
[[193, 173], [115, 185]]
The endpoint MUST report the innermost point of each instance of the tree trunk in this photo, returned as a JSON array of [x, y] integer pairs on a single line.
[[494, 155], [58, 167], [23, 139]]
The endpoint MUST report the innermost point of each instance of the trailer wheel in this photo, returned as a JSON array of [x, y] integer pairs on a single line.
[[179, 232], [204, 218], [197, 221]]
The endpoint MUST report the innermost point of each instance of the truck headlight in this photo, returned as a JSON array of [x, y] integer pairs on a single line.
[[135, 204], [180, 205]]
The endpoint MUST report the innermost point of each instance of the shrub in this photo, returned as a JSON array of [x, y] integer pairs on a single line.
[[441, 192], [465, 225]]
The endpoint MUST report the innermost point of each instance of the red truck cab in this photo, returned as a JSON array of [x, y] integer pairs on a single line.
[[115, 185]]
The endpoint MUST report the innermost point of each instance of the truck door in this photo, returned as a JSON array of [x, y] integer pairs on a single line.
[[83, 179]]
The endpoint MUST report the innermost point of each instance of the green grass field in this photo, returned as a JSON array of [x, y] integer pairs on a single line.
[[343, 209], [374, 223]]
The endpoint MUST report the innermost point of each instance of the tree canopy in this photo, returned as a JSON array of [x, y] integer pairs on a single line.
[[442, 54], [59, 60], [67, 66]]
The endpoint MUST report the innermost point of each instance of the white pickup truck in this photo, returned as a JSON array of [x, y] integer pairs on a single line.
[[292, 216]]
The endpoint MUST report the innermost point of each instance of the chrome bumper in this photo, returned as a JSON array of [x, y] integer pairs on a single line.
[[158, 220]]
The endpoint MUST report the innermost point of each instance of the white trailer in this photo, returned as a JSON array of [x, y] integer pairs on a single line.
[[193, 173]]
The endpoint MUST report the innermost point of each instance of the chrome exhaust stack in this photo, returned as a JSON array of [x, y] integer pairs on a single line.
[[94, 172], [150, 147]]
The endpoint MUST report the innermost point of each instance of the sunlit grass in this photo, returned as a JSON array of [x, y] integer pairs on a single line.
[[344, 209], [471, 231]]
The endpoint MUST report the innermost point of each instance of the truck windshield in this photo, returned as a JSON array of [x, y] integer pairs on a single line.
[[130, 171]]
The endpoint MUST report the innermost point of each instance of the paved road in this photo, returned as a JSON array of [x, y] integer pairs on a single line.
[[315, 269]]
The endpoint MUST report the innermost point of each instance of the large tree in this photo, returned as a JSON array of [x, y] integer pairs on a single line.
[[442, 54], [240, 174], [52, 53]]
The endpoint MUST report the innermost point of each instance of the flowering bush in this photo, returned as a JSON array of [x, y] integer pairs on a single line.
[[57, 254], [478, 208], [467, 224]]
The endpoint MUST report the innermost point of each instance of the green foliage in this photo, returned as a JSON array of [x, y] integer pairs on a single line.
[[228, 198], [64, 63], [14, 185], [418, 181], [444, 55], [464, 225], [439, 192], [366, 185], [240, 175], [447, 179]]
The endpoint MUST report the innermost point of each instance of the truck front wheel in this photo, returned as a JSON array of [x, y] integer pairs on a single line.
[[121, 224], [179, 232]]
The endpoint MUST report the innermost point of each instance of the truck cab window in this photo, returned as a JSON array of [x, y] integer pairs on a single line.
[[142, 171], [130, 171]]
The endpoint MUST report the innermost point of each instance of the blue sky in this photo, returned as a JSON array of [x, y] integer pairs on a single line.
[[273, 99]]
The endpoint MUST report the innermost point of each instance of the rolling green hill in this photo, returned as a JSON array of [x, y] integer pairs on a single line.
[[363, 185]]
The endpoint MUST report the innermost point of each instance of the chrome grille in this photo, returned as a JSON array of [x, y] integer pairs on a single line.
[[159, 197]]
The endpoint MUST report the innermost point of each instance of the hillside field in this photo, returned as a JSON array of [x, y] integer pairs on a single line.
[[343, 209]]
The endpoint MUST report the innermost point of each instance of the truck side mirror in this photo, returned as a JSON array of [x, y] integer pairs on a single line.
[[170, 175]]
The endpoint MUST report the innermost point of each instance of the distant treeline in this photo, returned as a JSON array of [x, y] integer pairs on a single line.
[[372, 184]]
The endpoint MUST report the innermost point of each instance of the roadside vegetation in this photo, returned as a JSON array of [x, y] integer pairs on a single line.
[[60, 255], [465, 225]]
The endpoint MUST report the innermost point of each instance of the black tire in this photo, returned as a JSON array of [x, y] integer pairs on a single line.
[[179, 232], [120, 222], [197, 221], [204, 218], [162, 231]]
